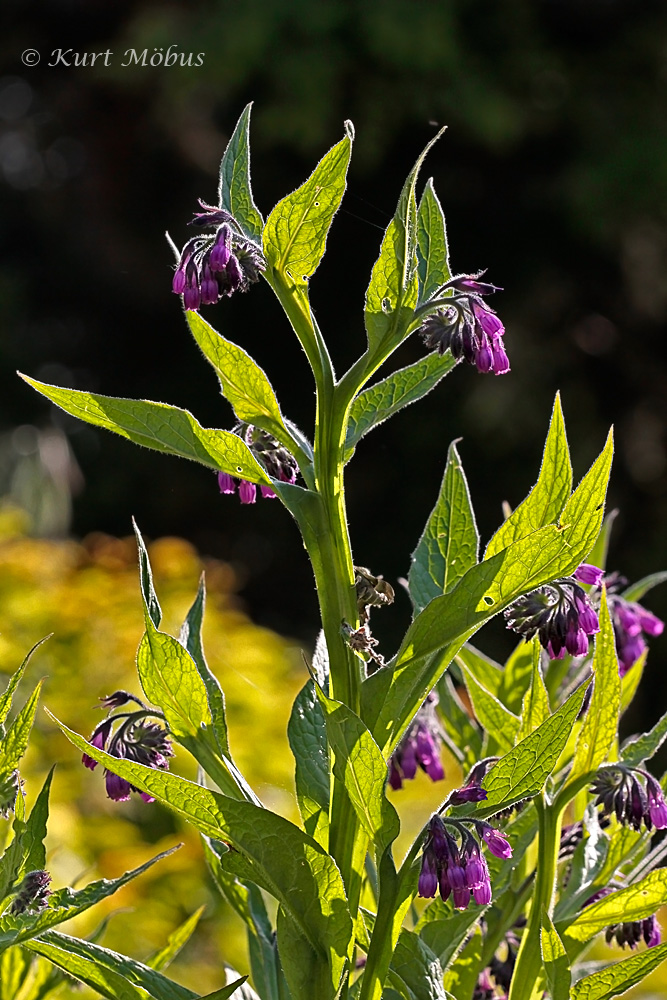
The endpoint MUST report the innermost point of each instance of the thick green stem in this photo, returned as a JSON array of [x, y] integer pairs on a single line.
[[528, 976]]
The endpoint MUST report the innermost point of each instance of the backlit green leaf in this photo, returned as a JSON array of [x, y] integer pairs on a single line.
[[547, 497], [306, 732], [15, 743], [448, 547], [8, 694], [444, 929], [516, 677], [151, 603], [380, 401], [176, 940], [600, 728], [636, 591], [554, 956], [432, 250], [497, 720], [296, 231], [105, 982], [618, 978], [641, 748], [625, 906], [35, 829], [170, 679], [234, 191], [161, 427], [461, 976], [535, 709], [418, 967]]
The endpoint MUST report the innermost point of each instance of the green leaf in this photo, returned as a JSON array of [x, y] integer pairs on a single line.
[[417, 967], [462, 736], [176, 940], [34, 851], [380, 401], [8, 694], [618, 978], [636, 591], [461, 976], [161, 427], [535, 709], [360, 766], [432, 250], [485, 670], [295, 233], [598, 554], [234, 191], [190, 637], [641, 748], [587, 861], [492, 715], [304, 969], [170, 679], [292, 866], [444, 929], [227, 991], [306, 732], [630, 681], [522, 772], [636, 902], [67, 903], [546, 499], [554, 956], [600, 727], [516, 677], [139, 976], [391, 696], [107, 983], [242, 381], [393, 291], [151, 603], [14, 966], [449, 545], [15, 743]]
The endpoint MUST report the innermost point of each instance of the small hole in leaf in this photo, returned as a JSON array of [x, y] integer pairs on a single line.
[[239, 469], [488, 600], [316, 204]]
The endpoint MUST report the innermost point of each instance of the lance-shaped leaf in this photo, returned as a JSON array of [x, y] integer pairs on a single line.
[[7, 695], [501, 724], [417, 967], [444, 929], [175, 942], [449, 545], [618, 978], [380, 401], [242, 381], [556, 963], [306, 973], [60, 948], [463, 737], [296, 231], [306, 732], [641, 748], [170, 679], [65, 904], [516, 677], [462, 974], [485, 670], [432, 250], [234, 191], [547, 497], [105, 982], [391, 696], [636, 591], [522, 772], [636, 902], [151, 603], [360, 766], [161, 427], [393, 291], [535, 709], [14, 967], [34, 851], [15, 743], [289, 864], [599, 730]]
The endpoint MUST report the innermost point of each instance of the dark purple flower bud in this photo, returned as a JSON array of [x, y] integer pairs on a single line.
[[428, 878], [98, 739], [482, 893], [496, 842], [420, 747], [221, 250], [560, 613], [461, 898], [649, 623], [443, 883], [501, 363], [395, 779], [469, 283], [469, 793], [589, 574], [487, 320], [118, 788], [484, 356], [476, 868], [116, 700], [234, 275], [408, 760], [631, 622], [192, 293], [657, 808], [178, 281], [247, 491], [33, 893], [210, 293], [456, 873], [651, 931], [226, 483], [267, 492], [636, 803]]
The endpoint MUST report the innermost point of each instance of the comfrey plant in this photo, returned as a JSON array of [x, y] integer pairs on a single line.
[[495, 896]]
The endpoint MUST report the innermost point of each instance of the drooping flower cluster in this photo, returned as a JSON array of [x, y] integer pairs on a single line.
[[632, 794], [33, 893], [631, 623], [466, 326], [276, 459], [560, 613], [454, 863], [134, 739], [217, 264], [420, 747], [632, 932]]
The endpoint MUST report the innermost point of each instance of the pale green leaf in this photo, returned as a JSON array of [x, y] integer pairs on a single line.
[[8, 694], [583, 513], [636, 902], [432, 250], [618, 978], [418, 967], [598, 554], [305, 971], [485, 670], [630, 681], [449, 545], [170, 679], [535, 709], [380, 401], [161, 427], [546, 499], [295, 233], [234, 191], [107, 983], [600, 727], [554, 956], [444, 929], [33, 847], [461, 976], [492, 715], [176, 940], [306, 732], [15, 743], [226, 992], [463, 737], [151, 603], [641, 748], [636, 591], [14, 965], [516, 677]]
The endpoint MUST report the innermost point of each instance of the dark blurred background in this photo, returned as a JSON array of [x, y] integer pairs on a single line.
[[552, 174]]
